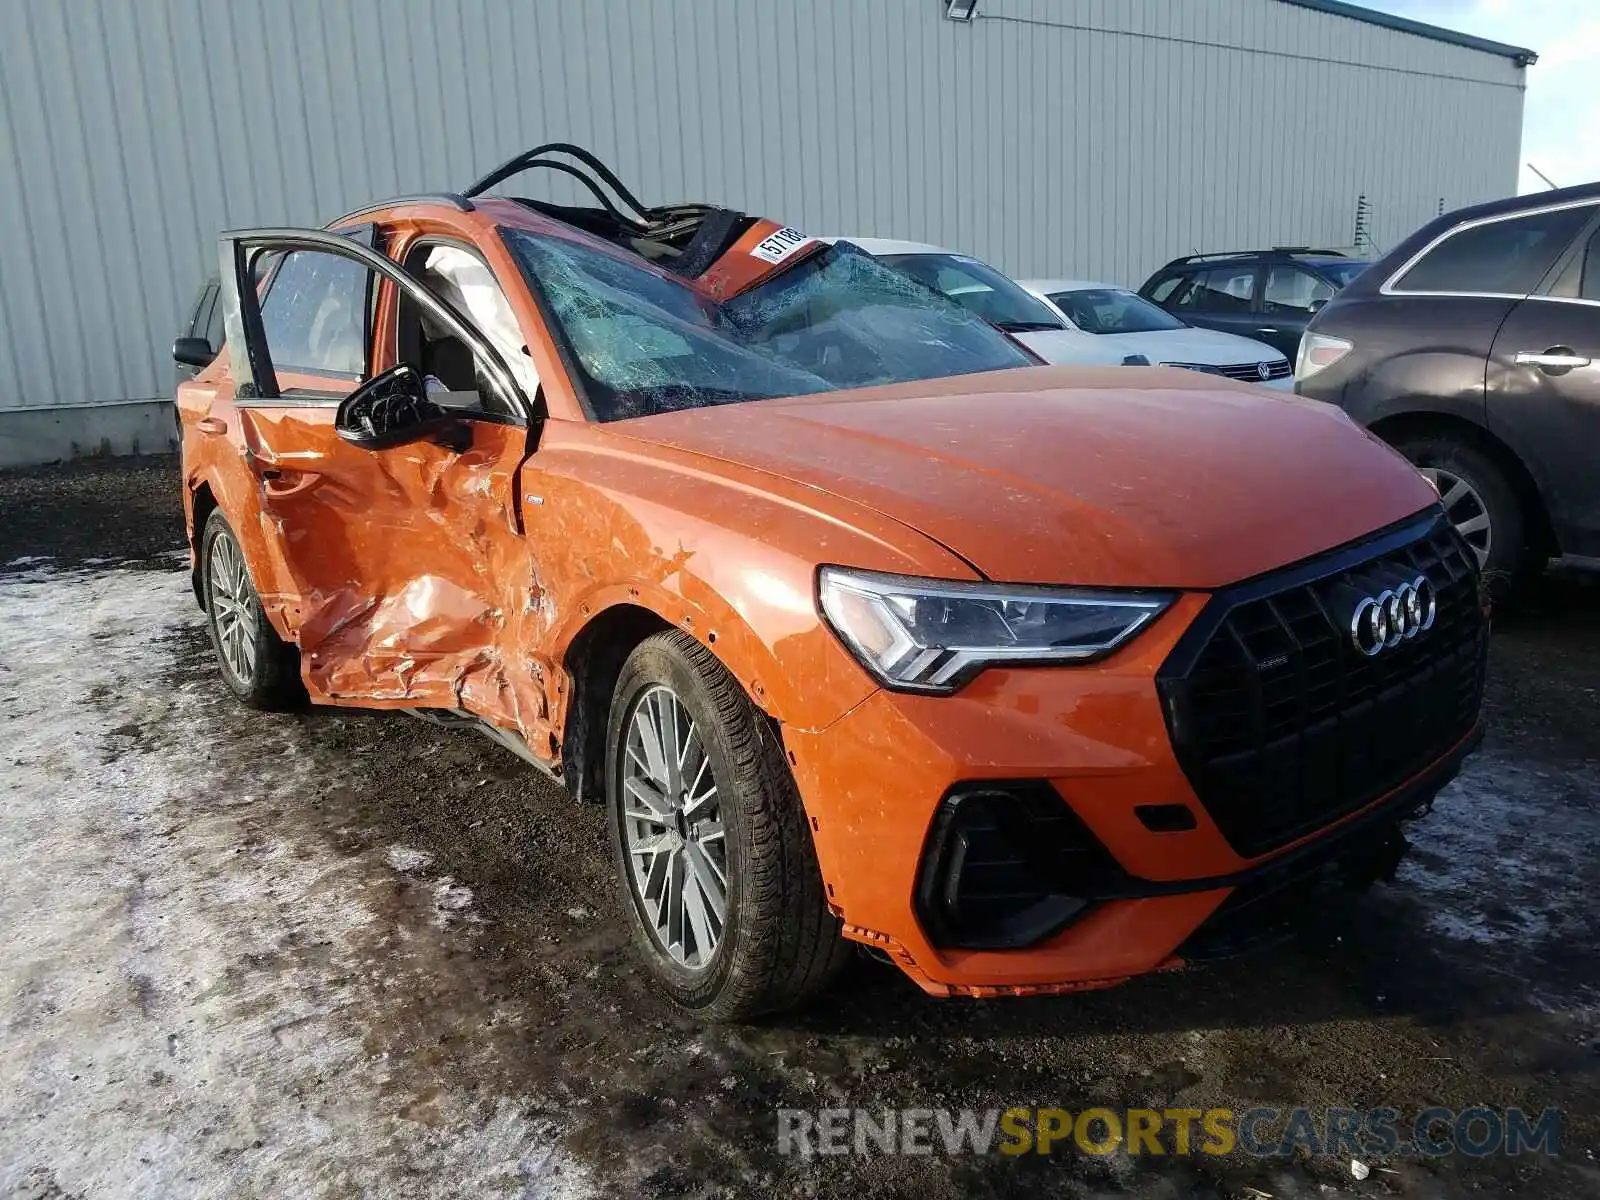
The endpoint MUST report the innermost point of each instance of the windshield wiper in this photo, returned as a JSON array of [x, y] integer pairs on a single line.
[[1028, 326]]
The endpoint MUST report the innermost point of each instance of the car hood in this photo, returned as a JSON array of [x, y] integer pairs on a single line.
[[1125, 476], [1073, 347], [1209, 347]]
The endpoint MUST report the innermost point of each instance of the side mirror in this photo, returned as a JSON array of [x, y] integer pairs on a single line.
[[393, 409], [192, 352]]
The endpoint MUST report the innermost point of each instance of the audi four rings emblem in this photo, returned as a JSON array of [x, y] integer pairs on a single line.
[[1394, 615]]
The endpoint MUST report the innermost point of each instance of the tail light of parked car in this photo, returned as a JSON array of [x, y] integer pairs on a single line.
[[1318, 351]]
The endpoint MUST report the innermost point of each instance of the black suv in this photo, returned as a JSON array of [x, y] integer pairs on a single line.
[[1474, 348], [1268, 295]]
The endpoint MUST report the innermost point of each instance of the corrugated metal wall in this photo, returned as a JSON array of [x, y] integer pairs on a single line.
[[1081, 137]]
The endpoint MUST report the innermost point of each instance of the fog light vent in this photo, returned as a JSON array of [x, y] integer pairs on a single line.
[[1008, 865]]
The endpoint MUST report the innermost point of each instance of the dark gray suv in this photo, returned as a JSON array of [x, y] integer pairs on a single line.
[[1474, 348], [1266, 295]]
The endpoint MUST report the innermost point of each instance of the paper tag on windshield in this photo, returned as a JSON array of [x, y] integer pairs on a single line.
[[776, 247]]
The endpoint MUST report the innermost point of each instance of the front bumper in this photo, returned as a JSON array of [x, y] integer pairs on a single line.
[[878, 784], [873, 781], [1197, 901]]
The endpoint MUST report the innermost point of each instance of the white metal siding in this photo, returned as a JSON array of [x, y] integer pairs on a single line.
[[1054, 137]]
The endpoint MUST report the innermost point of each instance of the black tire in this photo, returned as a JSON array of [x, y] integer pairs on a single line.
[[779, 943], [1513, 559], [272, 680]]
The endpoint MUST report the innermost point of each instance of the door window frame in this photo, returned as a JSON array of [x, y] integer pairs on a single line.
[[1390, 288], [1180, 279], [367, 235], [1574, 253], [402, 249], [1258, 280], [250, 358], [1289, 310]]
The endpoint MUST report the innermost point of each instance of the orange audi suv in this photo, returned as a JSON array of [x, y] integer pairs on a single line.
[[862, 624]]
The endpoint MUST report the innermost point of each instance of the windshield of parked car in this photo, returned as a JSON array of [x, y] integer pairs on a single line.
[[646, 342], [980, 289], [1113, 310]]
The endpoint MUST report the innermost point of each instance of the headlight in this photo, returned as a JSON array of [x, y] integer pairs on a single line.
[[930, 635]]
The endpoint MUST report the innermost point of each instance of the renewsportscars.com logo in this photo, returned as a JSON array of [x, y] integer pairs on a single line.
[[1257, 1132]]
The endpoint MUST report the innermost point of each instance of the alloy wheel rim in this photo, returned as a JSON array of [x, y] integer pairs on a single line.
[[232, 608], [1465, 510], [672, 829]]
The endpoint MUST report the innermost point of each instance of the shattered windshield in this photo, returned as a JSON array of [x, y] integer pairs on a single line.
[[647, 343]]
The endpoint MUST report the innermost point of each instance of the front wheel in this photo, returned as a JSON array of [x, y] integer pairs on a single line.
[[258, 666], [1483, 505], [718, 874]]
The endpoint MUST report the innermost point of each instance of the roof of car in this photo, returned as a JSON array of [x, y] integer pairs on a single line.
[[1579, 194], [1043, 287], [1310, 258], [1576, 194], [876, 246]]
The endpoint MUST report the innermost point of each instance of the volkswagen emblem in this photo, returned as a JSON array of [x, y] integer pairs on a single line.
[[1264, 370], [1393, 616]]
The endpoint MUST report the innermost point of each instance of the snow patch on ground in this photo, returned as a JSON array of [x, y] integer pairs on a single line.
[[452, 902], [408, 861], [1506, 851], [188, 997]]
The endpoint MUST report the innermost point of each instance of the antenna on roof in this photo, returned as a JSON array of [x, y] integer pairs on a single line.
[[1550, 183]]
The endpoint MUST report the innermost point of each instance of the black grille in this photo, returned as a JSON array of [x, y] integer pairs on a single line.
[[1251, 372], [1282, 726]]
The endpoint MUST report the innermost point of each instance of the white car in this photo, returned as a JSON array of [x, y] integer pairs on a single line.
[[998, 299], [1133, 325]]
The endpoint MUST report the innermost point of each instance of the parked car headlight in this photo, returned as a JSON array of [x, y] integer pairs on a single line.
[[932, 635]]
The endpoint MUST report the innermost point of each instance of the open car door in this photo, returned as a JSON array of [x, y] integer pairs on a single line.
[[387, 506]]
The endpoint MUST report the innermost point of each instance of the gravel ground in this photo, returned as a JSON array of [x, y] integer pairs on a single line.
[[341, 954]]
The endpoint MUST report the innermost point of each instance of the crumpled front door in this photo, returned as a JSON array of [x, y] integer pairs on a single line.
[[402, 573]]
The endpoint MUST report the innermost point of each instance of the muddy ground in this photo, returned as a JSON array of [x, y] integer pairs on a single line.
[[341, 954]]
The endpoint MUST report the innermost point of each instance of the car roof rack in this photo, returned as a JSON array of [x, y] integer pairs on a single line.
[[1291, 250], [458, 202]]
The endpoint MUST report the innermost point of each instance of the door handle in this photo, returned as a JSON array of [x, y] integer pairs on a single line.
[[1266, 329], [1557, 359], [211, 425], [277, 485]]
